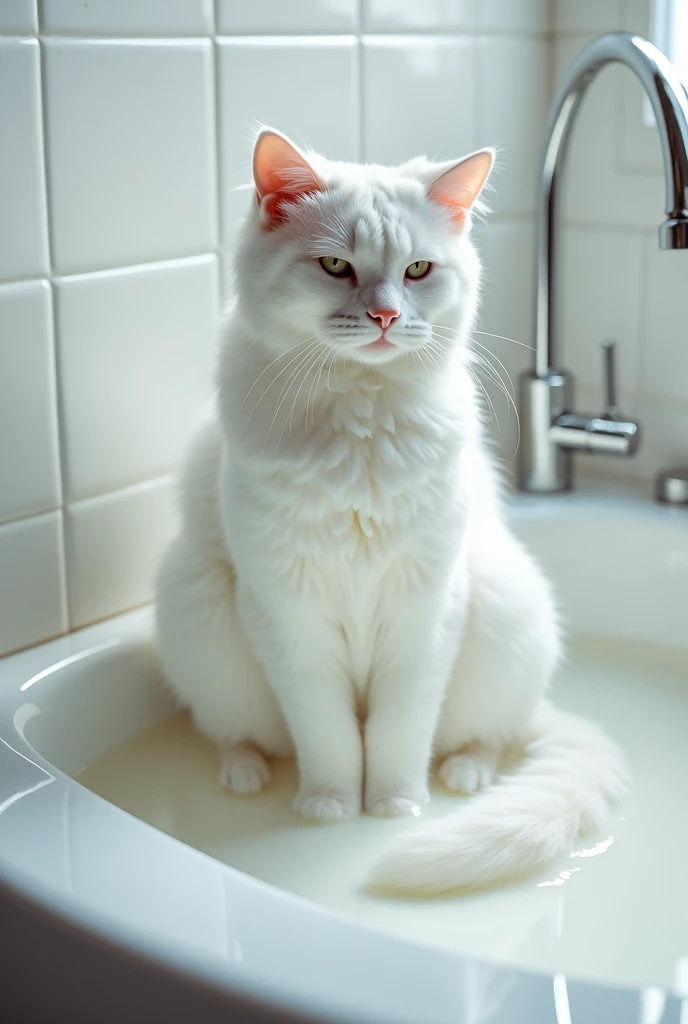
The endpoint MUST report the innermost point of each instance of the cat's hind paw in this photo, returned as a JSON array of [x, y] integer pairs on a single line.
[[471, 770], [243, 769]]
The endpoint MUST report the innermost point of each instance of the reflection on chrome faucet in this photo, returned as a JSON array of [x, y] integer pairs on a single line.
[[550, 431]]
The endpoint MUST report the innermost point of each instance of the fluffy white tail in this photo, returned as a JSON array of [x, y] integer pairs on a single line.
[[572, 777]]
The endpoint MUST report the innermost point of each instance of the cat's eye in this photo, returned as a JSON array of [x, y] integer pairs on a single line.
[[336, 266], [418, 269]]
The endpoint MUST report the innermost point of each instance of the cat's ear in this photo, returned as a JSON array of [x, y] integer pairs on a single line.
[[458, 188], [281, 175]]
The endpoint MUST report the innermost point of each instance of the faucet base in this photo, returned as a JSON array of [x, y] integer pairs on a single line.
[[546, 467]]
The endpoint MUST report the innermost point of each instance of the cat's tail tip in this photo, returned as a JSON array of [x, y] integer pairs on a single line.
[[572, 778]]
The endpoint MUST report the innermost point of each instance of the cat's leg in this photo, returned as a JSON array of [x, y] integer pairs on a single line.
[[406, 691], [210, 664], [508, 653], [304, 658]]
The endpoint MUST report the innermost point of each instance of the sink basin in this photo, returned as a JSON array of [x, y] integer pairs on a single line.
[[111, 818]]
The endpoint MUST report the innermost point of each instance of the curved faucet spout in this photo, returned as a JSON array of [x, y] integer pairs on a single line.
[[670, 106], [550, 430]]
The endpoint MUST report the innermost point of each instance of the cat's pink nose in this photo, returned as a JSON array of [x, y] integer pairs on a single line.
[[385, 316]]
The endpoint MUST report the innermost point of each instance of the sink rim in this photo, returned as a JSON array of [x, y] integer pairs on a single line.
[[266, 986]]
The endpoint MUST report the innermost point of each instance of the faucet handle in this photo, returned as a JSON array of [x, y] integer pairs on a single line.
[[611, 410], [606, 434]]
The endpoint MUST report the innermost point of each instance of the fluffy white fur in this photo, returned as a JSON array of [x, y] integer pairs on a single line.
[[345, 585]]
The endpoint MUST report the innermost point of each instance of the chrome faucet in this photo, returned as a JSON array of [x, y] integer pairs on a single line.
[[550, 431]]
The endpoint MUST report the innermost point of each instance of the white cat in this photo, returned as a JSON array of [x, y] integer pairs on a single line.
[[344, 584]]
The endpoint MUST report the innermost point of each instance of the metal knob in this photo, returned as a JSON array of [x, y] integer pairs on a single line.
[[671, 486]]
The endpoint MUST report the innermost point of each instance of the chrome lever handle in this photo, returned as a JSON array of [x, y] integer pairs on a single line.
[[599, 435], [611, 411], [607, 434]]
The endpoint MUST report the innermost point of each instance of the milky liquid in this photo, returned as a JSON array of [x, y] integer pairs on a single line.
[[616, 912]]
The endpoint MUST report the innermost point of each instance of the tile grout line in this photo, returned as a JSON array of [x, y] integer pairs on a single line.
[[217, 129], [361, 155], [59, 411], [478, 93]]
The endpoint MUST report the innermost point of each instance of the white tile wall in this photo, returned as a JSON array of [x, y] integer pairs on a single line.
[[113, 544], [273, 17], [32, 585], [586, 16], [410, 16], [431, 79], [599, 305], [18, 16], [140, 116], [29, 458], [499, 16], [665, 356], [142, 17], [512, 78], [134, 351], [23, 227], [143, 111]]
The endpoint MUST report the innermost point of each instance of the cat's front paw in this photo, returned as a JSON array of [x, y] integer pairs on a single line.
[[326, 807], [396, 806]]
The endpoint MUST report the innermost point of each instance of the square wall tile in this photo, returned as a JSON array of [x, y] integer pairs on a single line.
[[32, 586], [420, 98], [29, 448], [273, 17], [590, 16], [130, 130], [507, 253], [23, 218], [144, 17], [512, 110], [601, 284], [134, 365], [501, 16], [18, 17], [410, 16], [113, 546], [305, 87], [665, 363]]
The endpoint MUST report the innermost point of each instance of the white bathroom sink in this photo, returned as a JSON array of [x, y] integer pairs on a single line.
[[257, 903]]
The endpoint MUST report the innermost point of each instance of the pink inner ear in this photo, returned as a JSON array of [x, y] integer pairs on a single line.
[[459, 187], [281, 174]]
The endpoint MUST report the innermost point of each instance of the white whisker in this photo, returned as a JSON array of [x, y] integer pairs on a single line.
[[287, 388], [502, 337], [289, 418], [276, 376]]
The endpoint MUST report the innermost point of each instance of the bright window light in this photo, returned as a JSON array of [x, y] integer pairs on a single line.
[[669, 30]]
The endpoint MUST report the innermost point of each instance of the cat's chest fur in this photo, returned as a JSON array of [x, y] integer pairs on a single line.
[[370, 489]]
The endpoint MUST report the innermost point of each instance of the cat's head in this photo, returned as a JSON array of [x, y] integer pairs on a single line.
[[370, 262]]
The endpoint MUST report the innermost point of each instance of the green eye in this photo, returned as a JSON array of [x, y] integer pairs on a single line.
[[336, 266], [418, 269]]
